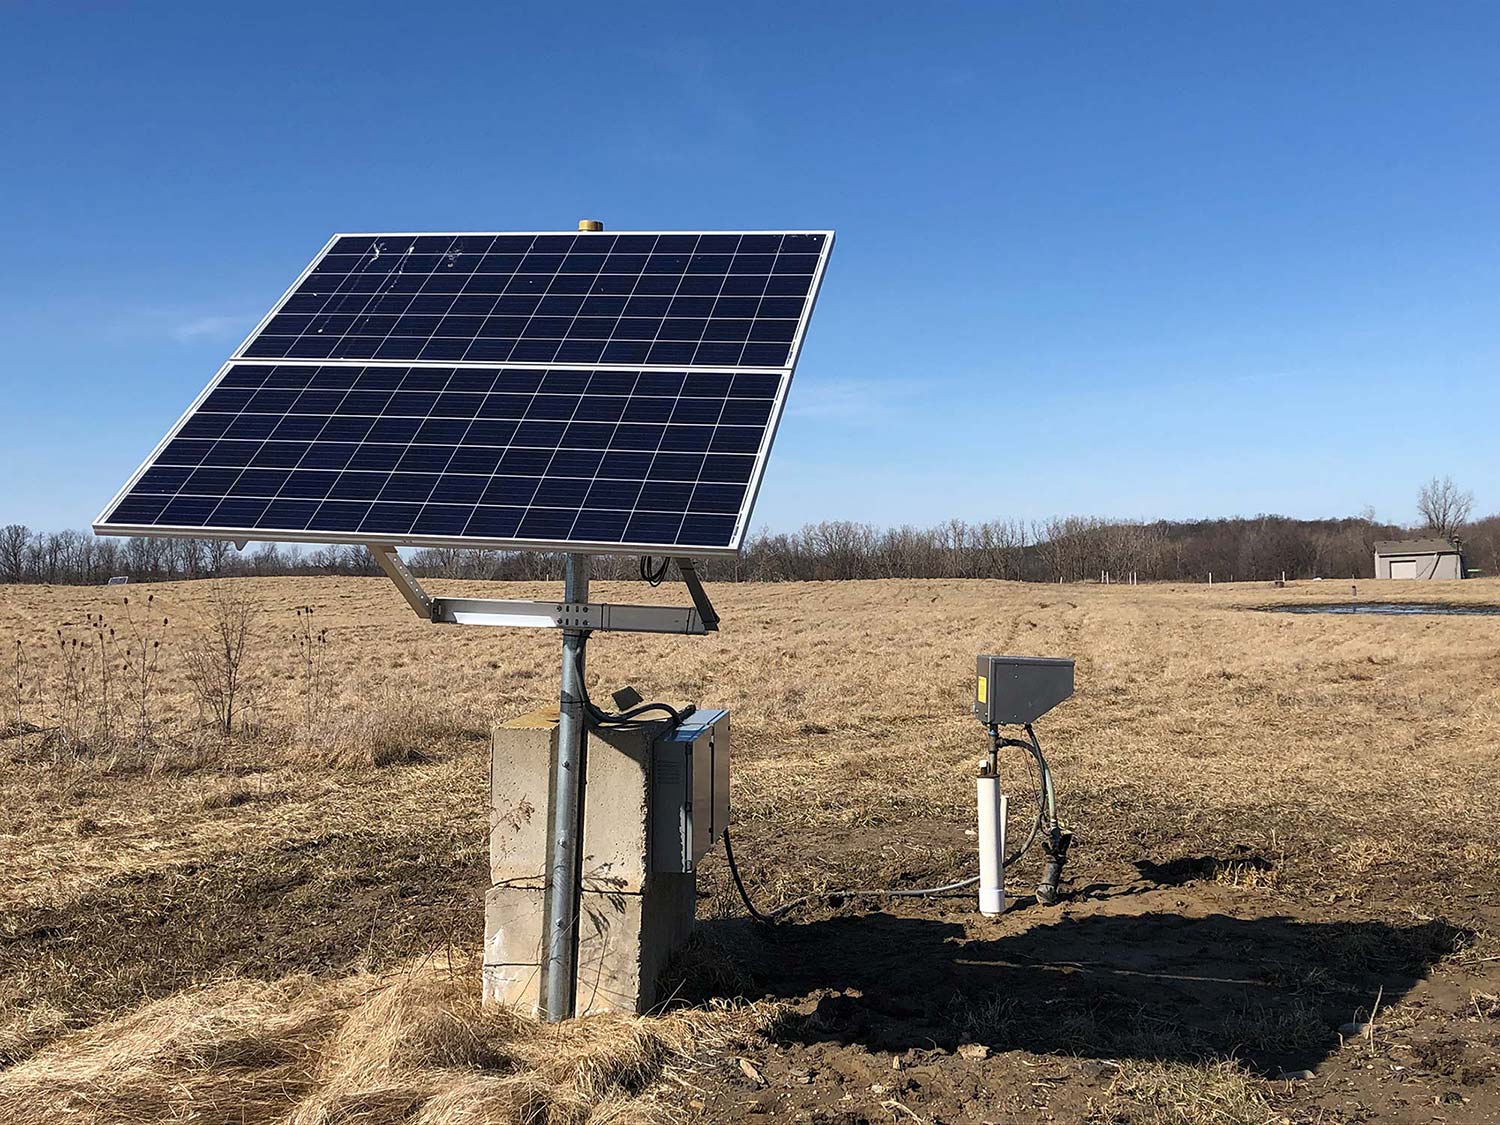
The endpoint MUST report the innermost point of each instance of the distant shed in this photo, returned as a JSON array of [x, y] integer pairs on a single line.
[[1418, 558]]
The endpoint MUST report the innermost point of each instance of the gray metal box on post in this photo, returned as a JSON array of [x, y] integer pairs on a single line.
[[689, 791], [1015, 690]]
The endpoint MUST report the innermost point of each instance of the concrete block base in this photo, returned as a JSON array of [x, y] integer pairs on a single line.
[[633, 919], [625, 942]]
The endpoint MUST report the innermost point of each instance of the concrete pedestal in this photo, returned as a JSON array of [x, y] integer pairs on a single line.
[[633, 920]]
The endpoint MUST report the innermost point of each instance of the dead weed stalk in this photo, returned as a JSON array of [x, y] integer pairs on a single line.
[[18, 692], [310, 652], [142, 665]]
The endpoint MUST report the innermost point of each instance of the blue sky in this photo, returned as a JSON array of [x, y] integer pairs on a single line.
[[1153, 259]]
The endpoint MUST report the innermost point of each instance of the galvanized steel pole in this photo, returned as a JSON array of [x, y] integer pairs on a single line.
[[565, 848]]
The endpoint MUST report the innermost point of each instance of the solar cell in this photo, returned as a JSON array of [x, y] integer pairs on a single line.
[[732, 300], [332, 423]]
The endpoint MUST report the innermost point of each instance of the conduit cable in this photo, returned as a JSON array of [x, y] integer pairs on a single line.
[[1046, 815]]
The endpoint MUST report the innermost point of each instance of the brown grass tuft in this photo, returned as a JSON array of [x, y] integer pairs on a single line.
[[236, 1051], [413, 1047], [24, 1029], [1221, 1093]]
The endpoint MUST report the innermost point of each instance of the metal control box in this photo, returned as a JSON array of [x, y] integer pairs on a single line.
[[689, 791], [1016, 690]]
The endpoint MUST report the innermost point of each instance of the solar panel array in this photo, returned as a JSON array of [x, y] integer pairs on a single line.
[[592, 391]]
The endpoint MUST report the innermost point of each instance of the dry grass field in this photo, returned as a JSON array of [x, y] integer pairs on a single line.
[[1284, 824]]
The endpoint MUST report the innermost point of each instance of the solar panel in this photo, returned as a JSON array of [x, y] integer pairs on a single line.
[[733, 300], [607, 392]]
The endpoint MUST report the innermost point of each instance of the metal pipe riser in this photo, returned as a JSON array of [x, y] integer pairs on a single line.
[[565, 848]]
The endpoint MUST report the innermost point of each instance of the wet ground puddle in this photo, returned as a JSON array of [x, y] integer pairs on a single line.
[[1392, 609]]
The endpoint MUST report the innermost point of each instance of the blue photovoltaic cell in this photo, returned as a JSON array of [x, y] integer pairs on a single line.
[[728, 300], [607, 391], [664, 457]]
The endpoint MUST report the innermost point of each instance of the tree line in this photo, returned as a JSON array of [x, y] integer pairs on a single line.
[[1065, 549]]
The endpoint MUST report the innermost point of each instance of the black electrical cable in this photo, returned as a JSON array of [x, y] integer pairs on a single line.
[[605, 718], [739, 884], [655, 576], [1044, 803], [769, 919], [602, 718], [1043, 792]]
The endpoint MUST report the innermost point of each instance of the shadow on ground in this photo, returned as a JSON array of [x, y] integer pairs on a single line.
[[1150, 985]]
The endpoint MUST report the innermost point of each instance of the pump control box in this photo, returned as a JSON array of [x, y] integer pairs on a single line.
[[689, 790], [1015, 690]]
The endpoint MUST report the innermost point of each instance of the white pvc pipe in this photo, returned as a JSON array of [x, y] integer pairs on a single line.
[[992, 808]]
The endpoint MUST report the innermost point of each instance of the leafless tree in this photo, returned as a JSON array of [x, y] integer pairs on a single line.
[[1444, 506], [13, 540]]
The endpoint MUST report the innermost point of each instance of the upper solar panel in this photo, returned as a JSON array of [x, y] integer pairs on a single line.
[[721, 300], [593, 392]]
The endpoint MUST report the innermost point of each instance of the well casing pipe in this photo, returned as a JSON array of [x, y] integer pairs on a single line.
[[992, 809]]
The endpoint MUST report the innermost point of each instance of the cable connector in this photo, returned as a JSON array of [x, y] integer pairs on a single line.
[[1056, 845]]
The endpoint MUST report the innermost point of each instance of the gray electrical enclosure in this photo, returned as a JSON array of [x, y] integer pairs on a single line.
[[689, 791], [1014, 690]]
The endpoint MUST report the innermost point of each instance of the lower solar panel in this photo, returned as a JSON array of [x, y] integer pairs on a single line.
[[528, 457]]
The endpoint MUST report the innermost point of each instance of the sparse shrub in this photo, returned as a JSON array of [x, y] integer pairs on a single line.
[[76, 718], [101, 665], [219, 670]]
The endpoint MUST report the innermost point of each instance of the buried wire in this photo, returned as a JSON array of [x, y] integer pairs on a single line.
[[1046, 812]]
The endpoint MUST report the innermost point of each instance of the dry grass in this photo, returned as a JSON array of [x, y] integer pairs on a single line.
[[414, 1047], [167, 889], [1220, 1093], [395, 724]]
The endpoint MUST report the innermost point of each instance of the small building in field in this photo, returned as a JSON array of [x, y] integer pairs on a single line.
[[1418, 558]]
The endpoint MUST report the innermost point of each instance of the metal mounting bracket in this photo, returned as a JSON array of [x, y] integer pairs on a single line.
[[395, 569], [696, 620], [705, 607], [587, 616]]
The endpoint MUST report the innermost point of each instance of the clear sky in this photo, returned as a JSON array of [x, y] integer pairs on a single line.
[[1157, 259]]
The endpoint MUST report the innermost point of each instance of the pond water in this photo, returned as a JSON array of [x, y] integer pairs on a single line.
[[1394, 609]]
